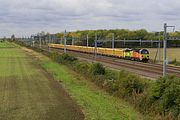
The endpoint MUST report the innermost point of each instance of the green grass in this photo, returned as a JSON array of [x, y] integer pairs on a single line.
[[9, 59], [97, 105], [27, 92], [6, 44]]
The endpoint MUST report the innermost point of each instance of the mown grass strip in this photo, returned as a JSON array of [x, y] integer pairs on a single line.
[[5, 44], [97, 105], [27, 92]]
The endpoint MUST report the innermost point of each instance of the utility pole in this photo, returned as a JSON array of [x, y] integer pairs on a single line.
[[49, 39], [159, 47], [151, 44], [72, 40], [48, 42], [52, 38], [95, 49], [164, 50], [113, 40], [31, 39], [61, 40], [33, 43], [65, 41], [40, 44], [87, 40], [165, 46]]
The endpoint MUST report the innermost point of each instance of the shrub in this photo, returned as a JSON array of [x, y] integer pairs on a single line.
[[54, 56], [82, 67], [166, 95], [126, 85], [111, 75], [62, 58], [68, 57], [132, 84], [97, 69], [99, 80]]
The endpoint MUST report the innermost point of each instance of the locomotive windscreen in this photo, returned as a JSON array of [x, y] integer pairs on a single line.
[[144, 51]]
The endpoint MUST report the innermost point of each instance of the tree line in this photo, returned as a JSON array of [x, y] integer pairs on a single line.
[[120, 34], [80, 36]]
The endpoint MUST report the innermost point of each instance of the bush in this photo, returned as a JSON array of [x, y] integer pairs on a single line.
[[125, 85], [99, 80], [82, 67], [166, 96], [111, 75], [67, 57], [62, 58], [54, 56], [97, 69], [128, 85], [132, 84]]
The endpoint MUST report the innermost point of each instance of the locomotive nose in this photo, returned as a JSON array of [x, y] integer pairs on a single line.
[[145, 56]]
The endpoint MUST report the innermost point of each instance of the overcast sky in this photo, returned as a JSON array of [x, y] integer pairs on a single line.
[[25, 17]]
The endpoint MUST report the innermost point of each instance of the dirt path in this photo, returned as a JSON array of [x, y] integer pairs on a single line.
[[27, 92]]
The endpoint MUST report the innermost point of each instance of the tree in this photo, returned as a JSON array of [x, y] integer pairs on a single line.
[[13, 37]]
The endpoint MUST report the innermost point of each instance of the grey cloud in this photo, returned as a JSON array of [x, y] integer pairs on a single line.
[[29, 16]]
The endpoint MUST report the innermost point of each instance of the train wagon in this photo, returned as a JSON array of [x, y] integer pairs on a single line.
[[130, 54]]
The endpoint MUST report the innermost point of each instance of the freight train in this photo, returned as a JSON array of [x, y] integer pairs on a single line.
[[130, 54]]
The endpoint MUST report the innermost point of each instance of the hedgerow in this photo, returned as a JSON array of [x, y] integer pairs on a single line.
[[165, 96], [162, 99]]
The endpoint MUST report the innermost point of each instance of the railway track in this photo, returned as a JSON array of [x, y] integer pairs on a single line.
[[149, 70]]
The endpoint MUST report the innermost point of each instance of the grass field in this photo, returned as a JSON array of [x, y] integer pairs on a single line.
[[7, 45], [172, 53], [96, 104], [28, 92]]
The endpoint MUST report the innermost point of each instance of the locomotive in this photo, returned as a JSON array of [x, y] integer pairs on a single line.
[[130, 54], [137, 54]]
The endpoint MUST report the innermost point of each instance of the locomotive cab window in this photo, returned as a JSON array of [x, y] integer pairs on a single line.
[[144, 51], [127, 50]]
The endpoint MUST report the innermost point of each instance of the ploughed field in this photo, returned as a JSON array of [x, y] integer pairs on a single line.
[[28, 92]]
